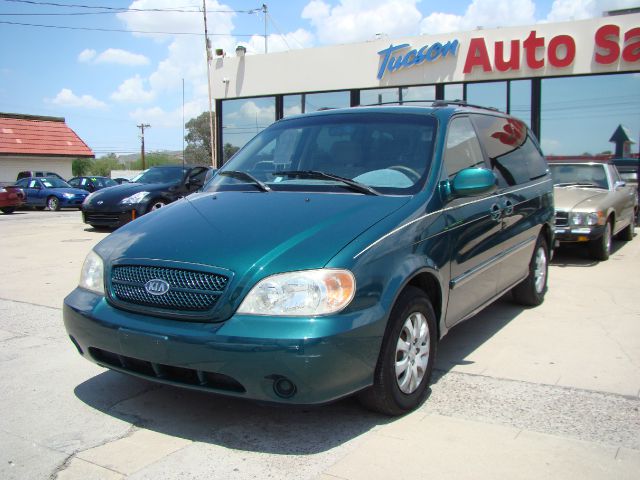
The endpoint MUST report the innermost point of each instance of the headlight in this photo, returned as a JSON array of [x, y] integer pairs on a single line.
[[91, 276], [68, 195], [304, 293], [590, 219], [135, 198]]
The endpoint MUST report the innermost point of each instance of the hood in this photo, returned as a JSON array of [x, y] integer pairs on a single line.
[[118, 192], [570, 198], [252, 234]]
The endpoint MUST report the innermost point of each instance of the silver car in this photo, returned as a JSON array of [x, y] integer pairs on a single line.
[[592, 205]]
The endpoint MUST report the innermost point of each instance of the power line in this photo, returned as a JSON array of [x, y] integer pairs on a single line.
[[120, 30], [122, 9]]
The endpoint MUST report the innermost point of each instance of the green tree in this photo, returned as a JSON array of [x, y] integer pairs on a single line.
[[81, 167], [198, 137], [229, 151], [152, 159], [102, 166]]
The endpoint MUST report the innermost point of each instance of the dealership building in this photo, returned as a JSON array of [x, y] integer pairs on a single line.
[[573, 83]]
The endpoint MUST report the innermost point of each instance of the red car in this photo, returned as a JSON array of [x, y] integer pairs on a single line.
[[11, 198]]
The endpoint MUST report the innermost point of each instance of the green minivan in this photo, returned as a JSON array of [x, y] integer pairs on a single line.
[[327, 258]]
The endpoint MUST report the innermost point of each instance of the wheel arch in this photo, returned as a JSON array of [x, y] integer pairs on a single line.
[[429, 283]]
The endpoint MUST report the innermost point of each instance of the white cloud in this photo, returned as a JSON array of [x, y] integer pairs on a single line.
[[251, 114], [562, 10], [113, 55], [66, 98], [481, 13], [86, 55], [301, 38], [132, 90], [358, 20], [159, 117]]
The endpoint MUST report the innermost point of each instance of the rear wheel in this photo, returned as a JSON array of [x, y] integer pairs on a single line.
[[531, 290], [401, 378], [53, 203], [8, 210], [600, 248], [626, 235]]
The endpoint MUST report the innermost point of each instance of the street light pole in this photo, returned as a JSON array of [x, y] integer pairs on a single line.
[[142, 126], [207, 45], [264, 10]]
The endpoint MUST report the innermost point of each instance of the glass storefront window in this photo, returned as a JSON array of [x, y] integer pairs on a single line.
[[579, 114], [520, 104], [453, 91], [292, 105], [321, 101], [415, 94], [377, 96], [242, 119], [489, 94]]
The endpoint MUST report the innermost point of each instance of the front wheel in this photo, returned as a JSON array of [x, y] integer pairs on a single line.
[[401, 378], [53, 203], [8, 210], [600, 248], [530, 292]]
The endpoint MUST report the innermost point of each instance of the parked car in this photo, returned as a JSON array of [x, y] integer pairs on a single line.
[[592, 205], [327, 258], [36, 173], [152, 189], [11, 197], [51, 192], [120, 180], [628, 169], [91, 184]]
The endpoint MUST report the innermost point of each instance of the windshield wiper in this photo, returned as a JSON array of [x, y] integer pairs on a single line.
[[245, 176], [315, 174]]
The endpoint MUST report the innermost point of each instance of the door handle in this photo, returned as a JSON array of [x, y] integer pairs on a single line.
[[496, 212]]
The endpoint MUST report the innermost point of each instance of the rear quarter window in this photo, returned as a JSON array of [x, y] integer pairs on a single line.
[[513, 153]]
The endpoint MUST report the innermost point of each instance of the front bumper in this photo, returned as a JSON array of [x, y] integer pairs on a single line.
[[113, 219], [578, 234], [246, 356]]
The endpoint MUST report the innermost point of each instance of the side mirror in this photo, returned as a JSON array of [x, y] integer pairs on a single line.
[[473, 181], [619, 184]]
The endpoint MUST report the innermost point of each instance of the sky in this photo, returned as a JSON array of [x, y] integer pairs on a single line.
[[90, 64]]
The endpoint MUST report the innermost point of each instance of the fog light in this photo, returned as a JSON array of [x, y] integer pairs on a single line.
[[284, 387]]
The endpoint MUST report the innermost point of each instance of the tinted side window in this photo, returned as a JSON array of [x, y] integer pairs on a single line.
[[463, 149], [514, 155]]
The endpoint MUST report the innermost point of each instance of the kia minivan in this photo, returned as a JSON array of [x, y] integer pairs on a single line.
[[327, 258]]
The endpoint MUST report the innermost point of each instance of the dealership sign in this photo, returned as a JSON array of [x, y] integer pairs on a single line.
[[534, 52]]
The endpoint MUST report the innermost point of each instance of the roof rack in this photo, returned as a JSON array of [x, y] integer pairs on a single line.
[[434, 103]]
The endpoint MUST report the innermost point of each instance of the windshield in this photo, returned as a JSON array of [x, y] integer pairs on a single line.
[[53, 182], [364, 152], [579, 175], [160, 175], [104, 182]]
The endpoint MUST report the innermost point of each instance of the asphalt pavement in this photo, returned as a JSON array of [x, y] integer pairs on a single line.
[[547, 392]]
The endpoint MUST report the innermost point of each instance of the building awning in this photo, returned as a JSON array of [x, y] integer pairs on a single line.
[[38, 135]]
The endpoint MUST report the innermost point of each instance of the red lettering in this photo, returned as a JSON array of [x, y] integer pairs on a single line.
[[631, 52], [530, 45], [514, 59], [609, 45], [569, 53], [477, 56]]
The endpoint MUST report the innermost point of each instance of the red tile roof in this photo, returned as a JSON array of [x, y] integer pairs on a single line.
[[34, 135]]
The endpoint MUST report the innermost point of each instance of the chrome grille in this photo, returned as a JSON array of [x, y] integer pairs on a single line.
[[562, 219], [189, 290]]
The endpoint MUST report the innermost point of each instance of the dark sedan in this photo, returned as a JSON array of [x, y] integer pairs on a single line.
[[152, 189], [91, 184], [51, 192]]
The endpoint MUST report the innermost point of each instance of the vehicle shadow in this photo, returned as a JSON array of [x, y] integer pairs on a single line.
[[465, 338], [228, 422], [578, 255], [267, 428]]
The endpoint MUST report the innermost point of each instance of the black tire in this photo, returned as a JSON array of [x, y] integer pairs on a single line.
[[626, 234], [53, 203], [8, 210], [386, 395], [530, 292], [600, 248], [39, 208]]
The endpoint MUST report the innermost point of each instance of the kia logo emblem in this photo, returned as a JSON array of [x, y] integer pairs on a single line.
[[156, 286]]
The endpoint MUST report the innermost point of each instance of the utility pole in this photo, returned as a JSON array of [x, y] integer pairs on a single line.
[[207, 45], [264, 10], [142, 126]]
